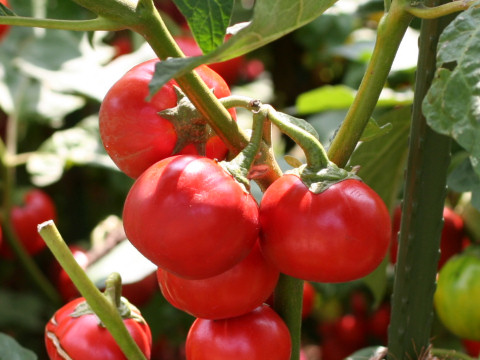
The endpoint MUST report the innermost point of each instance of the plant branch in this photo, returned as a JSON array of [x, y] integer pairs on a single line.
[[390, 32], [75, 25], [425, 12], [421, 220], [106, 310], [450, 354]]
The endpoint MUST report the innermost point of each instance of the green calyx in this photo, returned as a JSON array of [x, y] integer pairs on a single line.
[[319, 181], [190, 126], [113, 292]]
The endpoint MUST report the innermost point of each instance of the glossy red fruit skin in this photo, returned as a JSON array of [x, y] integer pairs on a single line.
[[237, 291], [258, 335], [452, 239], [134, 135], [83, 338], [38, 207], [4, 28], [338, 235], [190, 217]]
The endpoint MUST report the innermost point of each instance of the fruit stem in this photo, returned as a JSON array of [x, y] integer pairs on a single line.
[[287, 302], [315, 154], [421, 220], [240, 166], [390, 32], [106, 310], [75, 25], [424, 12]]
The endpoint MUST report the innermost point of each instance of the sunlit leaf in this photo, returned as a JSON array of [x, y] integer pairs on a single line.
[[452, 105], [207, 19], [262, 29]]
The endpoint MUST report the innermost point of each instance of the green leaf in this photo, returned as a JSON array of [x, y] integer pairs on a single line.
[[289, 15], [21, 310], [372, 352], [451, 106], [12, 350], [463, 178], [382, 164], [336, 97], [373, 130], [208, 20], [382, 160], [79, 145]]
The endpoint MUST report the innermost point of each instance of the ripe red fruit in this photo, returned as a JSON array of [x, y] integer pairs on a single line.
[[472, 347], [338, 235], [80, 335], [37, 208], [308, 302], [189, 216], [258, 335], [136, 136], [237, 291]]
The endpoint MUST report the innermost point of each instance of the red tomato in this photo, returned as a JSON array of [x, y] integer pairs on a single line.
[[237, 291], [338, 235], [472, 347], [136, 136], [38, 207], [378, 323], [64, 284], [308, 301], [188, 216], [229, 70], [452, 239], [4, 28], [258, 335], [82, 337]]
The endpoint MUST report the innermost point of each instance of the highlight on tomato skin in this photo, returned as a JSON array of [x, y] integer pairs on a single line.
[[258, 335], [188, 216], [338, 235]]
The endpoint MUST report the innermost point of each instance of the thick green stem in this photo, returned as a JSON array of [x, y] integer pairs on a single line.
[[434, 12], [421, 224], [75, 25], [287, 302], [240, 166], [105, 309], [389, 35]]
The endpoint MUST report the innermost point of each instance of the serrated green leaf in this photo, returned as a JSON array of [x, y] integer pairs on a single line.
[[451, 105], [289, 15], [208, 20], [12, 350]]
